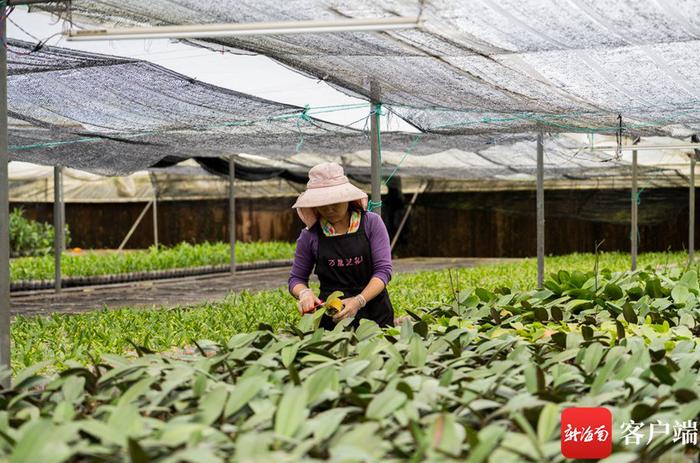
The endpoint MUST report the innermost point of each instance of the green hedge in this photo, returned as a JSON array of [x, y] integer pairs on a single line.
[[183, 255], [29, 237]]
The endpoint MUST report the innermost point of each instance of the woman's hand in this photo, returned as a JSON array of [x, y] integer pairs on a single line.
[[307, 302], [350, 308]]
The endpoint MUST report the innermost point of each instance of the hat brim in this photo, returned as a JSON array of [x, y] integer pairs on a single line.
[[316, 197]]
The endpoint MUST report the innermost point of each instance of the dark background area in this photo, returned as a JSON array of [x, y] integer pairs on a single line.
[[474, 224]]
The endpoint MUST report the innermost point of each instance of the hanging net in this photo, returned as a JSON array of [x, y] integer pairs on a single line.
[[479, 66]]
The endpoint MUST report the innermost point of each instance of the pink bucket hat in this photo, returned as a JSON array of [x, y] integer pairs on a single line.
[[327, 185]]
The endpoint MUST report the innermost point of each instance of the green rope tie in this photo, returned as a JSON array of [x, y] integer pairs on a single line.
[[639, 196], [403, 158], [303, 116], [373, 205]]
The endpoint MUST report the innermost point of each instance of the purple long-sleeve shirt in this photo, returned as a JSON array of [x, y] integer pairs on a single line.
[[307, 251]]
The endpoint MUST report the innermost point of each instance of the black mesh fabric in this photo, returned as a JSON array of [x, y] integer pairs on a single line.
[[483, 65]]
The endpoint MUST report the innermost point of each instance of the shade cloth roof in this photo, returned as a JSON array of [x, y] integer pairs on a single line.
[[480, 65], [111, 116]]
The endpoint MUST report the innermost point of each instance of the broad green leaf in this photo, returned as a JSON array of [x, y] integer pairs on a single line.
[[547, 422], [489, 437], [126, 419], [288, 354], [592, 356], [326, 423], [73, 388], [137, 390], [291, 411], [44, 442], [212, 405], [385, 403], [447, 435], [244, 391], [321, 383], [603, 375], [690, 280], [175, 434], [136, 452], [361, 442], [681, 294], [417, 352]]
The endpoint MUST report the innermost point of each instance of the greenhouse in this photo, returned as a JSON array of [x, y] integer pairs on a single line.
[[323, 230]]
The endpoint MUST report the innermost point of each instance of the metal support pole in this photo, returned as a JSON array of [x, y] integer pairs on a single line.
[[63, 212], [155, 209], [232, 211], [540, 210], [58, 241], [376, 161], [4, 216], [634, 228], [691, 207]]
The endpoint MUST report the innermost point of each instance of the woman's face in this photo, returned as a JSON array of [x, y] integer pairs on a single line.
[[333, 212]]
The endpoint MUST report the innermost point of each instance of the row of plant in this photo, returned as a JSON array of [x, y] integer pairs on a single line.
[[59, 337], [481, 377], [183, 255], [29, 237]]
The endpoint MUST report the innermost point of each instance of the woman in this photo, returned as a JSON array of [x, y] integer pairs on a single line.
[[348, 247]]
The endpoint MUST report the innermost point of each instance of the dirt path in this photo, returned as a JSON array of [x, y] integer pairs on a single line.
[[190, 290]]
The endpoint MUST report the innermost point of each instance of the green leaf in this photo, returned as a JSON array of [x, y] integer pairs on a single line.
[[417, 352], [42, 441], [534, 378], [361, 442], [484, 294], [663, 373], [547, 422], [680, 294], [690, 279], [541, 314], [212, 405], [321, 382], [175, 434], [603, 375], [592, 356], [326, 423], [447, 435], [613, 292], [139, 388], [641, 412], [385, 403], [136, 453], [489, 437], [289, 354], [244, 391], [291, 411]]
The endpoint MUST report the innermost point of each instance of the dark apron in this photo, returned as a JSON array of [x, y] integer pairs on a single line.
[[344, 263]]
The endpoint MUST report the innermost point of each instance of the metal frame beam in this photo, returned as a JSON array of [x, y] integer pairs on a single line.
[[189, 31], [691, 202], [4, 216], [232, 211], [58, 221], [634, 229], [540, 209], [376, 155]]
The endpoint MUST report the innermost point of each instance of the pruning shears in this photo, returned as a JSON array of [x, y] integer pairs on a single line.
[[313, 309]]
